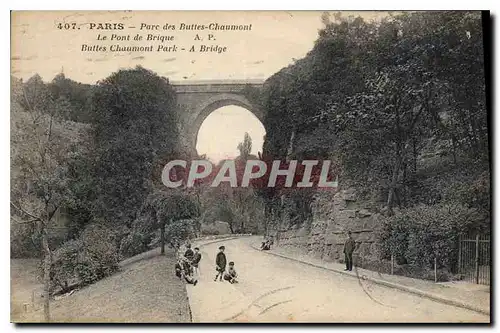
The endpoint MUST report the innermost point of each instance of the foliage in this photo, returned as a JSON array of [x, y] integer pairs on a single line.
[[100, 254], [72, 99], [245, 147], [178, 231], [135, 243], [377, 97], [40, 155], [23, 241], [43, 150], [417, 235], [135, 129], [176, 210], [173, 206], [241, 207], [65, 261], [85, 260]]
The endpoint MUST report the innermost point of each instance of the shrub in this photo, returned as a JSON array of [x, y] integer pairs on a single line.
[[65, 261], [209, 229], [85, 260], [179, 231], [136, 242], [100, 254], [24, 243], [417, 235]]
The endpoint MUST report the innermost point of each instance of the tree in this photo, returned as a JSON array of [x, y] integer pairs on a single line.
[[77, 95], [174, 213], [36, 96], [392, 103], [170, 208], [245, 147], [135, 131], [39, 158]]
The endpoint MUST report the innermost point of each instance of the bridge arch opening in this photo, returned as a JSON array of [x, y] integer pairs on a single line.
[[224, 127]]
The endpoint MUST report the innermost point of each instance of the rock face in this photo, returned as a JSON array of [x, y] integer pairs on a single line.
[[333, 215]]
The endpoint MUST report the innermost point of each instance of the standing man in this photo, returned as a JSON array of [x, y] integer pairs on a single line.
[[220, 263], [349, 247], [196, 261]]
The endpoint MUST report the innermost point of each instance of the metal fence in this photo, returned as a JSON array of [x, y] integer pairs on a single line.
[[474, 259]]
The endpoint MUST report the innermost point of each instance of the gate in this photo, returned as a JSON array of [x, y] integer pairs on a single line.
[[474, 259]]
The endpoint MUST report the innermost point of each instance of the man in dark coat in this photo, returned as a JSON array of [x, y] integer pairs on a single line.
[[220, 263], [349, 247]]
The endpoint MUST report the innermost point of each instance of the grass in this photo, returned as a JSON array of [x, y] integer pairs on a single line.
[[145, 290]]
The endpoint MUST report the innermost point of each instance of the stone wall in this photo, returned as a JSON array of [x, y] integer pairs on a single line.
[[333, 215]]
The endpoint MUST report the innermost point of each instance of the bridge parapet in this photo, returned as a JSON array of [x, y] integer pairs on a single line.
[[214, 86]]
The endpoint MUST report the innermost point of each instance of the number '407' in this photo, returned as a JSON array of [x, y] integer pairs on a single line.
[[66, 26]]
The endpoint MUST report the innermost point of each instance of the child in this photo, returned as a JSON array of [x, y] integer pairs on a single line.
[[231, 274], [178, 268], [189, 254], [220, 263], [196, 260], [183, 270], [186, 265]]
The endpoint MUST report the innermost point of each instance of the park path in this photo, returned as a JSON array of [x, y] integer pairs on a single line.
[[273, 289]]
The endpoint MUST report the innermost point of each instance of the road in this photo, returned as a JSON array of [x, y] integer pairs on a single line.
[[273, 289]]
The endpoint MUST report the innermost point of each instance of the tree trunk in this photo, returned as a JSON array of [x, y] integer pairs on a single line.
[[415, 153], [46, 274], [162, 237], [291, 145], [392, 189], [454, 145]]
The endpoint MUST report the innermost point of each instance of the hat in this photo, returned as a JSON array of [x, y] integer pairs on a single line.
[[222, 247], [231, 263], [196, 248]]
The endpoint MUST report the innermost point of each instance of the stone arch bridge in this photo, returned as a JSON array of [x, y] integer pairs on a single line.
[[196, 100]]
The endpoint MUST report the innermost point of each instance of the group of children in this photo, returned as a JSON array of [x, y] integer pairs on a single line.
[[188, 264], [220, 267]]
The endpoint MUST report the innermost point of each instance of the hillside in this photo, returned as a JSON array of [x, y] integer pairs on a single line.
[[145, 290]]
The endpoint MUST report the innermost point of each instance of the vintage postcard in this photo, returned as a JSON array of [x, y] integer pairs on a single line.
[[250, 167]]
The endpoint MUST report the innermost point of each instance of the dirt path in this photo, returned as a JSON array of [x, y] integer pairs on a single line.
[[272, 289]]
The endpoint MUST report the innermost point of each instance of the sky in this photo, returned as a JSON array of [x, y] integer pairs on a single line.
[[276, 39], [233, 122]]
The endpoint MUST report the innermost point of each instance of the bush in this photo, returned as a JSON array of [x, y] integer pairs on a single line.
[[100, 254], [209, 229], [86, 260], [419, 234], [179, 231], [135, 243], [65, 261], [23, 242]]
